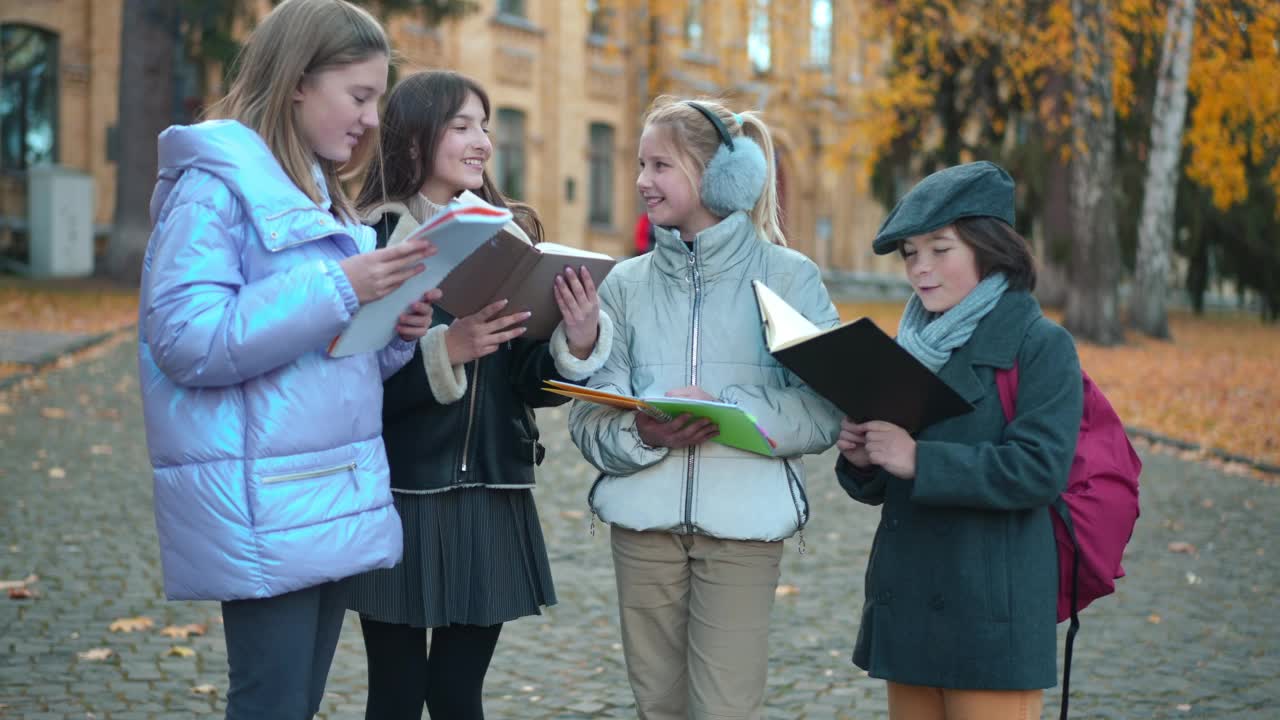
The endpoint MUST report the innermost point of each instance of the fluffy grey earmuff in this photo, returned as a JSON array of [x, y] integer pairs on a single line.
[[734, 179]]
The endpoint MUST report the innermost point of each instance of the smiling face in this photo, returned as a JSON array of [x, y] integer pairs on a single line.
[[461, 153], [335, 106], [941, 267], [670, 196]]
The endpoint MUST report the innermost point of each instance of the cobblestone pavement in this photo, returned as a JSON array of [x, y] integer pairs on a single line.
[[1189, 634]]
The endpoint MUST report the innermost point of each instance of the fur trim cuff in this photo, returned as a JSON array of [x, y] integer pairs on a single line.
[[570, 367], [448, 382]]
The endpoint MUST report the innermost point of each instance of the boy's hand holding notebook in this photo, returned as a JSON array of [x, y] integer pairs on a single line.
[[738, 428], [856, 366]]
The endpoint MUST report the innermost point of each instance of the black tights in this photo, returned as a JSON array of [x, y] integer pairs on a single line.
[[403, 676]]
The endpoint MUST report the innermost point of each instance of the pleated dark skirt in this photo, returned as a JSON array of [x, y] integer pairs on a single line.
[[472, 556]]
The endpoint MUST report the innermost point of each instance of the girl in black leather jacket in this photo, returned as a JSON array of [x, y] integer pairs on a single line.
[[459, 427]]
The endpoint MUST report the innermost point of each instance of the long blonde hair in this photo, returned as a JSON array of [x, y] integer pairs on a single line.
[[296, 38], [695, 141]]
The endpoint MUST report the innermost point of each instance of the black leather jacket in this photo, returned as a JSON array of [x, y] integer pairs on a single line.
[[489, 437]]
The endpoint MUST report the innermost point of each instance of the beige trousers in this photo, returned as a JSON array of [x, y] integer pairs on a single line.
[[695, 622], [915, 702]]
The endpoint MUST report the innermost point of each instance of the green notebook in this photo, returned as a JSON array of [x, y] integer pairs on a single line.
[[738, 428]]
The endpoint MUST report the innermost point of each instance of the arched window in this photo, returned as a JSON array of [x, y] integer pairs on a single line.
[[759, 42], [600, 212], [28, 96], [693, 25], [510, 153], [820, 32]]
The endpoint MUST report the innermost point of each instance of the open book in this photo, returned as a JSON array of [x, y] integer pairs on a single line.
[[856, 366], [508, 266], [457, 232], [738, 428]]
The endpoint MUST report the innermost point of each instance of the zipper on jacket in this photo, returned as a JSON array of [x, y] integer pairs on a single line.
[[471, 414], [308, 474], [693, 380]]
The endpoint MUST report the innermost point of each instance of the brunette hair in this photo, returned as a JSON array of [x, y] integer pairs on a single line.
[[998, 248], [419, 109]]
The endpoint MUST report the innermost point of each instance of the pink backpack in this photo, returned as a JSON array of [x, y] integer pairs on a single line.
[[1095, 514]]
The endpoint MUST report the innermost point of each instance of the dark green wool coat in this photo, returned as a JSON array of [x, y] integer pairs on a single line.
[[961, 586]]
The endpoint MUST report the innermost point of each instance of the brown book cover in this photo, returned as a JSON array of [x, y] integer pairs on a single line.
[[508, 267]]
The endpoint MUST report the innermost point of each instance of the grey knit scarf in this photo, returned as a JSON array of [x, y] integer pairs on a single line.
[[931, 337]]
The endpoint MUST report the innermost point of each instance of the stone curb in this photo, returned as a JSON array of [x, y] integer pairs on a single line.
[[34, 367]]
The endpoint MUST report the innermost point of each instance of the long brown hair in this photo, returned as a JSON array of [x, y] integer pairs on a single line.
[[419, 110], [300, 37]]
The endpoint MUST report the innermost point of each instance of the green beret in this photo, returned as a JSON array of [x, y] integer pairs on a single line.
[[976, 189]]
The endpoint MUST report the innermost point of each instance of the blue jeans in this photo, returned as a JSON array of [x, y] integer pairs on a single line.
[[279, 650]]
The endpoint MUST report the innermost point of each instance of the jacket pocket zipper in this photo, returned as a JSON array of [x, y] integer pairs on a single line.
[[308, 474]]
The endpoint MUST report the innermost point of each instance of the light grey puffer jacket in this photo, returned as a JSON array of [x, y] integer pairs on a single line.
[[690, 318]]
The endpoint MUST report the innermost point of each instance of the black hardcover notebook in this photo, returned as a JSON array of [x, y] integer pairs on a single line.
[[858, 367]]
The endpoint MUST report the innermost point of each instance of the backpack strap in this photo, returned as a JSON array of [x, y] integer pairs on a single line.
[[1007, 387]]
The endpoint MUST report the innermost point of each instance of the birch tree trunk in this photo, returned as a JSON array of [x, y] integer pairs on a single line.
[[146, 106], [1093, 296], [1156, 228]]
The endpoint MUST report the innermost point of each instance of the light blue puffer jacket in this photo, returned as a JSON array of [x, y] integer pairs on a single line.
[[270, 474], [691, 318]]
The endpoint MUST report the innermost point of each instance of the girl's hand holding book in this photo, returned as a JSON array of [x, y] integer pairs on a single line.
[[580, 309], [376, 274], [415, 321], [478, 334], [681, 432]]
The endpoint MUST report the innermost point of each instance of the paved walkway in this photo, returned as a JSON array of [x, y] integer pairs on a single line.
[[1188, 635]]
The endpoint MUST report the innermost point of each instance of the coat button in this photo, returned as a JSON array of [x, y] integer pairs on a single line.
[[936, 602]]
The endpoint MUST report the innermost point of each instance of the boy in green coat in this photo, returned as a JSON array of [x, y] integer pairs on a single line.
[[961, 587]]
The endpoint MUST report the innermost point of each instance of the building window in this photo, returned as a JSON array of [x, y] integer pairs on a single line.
[[601, 210], [758, 47], [693, 25], [28, 97], [511, 7], [820, 33], [510, 153], [598, 18]]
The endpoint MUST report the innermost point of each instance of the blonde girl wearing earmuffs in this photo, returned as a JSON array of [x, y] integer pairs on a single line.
[[697, 527]]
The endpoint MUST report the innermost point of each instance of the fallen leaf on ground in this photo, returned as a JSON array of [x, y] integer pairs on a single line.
[[53, 413], [132, 624], [1154, 619], [100, 450], [1184, 707], [183, 631], [21, 593], [10, 584], [96, 654], [205, 689], [57, 473], [1185, 548], [180, 651], [785, 590], [1206, 503], [572, 514], [5, 409]]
